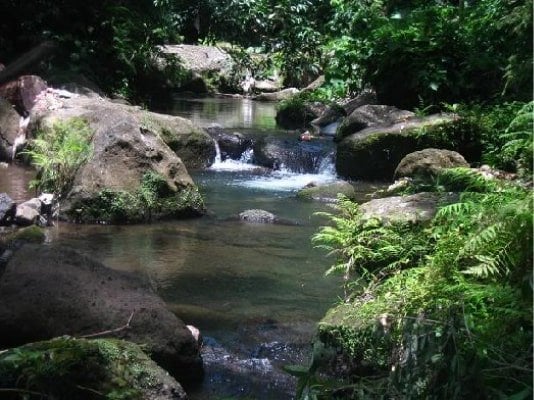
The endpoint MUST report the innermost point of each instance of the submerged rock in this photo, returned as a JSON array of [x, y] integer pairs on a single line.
[[49, 291], [258, 216], [68, 368]]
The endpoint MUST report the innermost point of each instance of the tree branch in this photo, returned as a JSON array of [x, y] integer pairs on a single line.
[[110, 331]]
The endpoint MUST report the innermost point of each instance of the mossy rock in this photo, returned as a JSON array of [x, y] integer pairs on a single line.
[[121, 207], [29, 234], [327, 192], [374, 153], [68, 368], [363, 346], [192, 144]]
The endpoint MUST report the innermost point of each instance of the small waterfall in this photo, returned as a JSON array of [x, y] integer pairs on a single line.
[[218, 156], [243, 164], [20, 140]]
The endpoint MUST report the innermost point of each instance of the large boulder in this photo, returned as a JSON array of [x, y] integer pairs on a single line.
[[364, 98], [9, 129], [128, 156], [206, 65], [374, 153], [65, 368], [296, 113], [428, 162], [22, 92], [371, 115], [50, 291]]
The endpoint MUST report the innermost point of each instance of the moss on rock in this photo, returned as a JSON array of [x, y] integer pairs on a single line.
[[375, 152], [153, 200], [68, 368]]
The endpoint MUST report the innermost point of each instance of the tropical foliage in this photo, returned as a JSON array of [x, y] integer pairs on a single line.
[[57, 152], [453, 299]]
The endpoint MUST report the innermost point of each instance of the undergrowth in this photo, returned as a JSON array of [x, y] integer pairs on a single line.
[[436, 311], [57, 152]]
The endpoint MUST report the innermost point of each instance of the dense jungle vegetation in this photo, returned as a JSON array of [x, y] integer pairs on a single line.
[[457, 293]]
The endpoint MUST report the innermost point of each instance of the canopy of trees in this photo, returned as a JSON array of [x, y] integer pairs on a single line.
[[410, 51]]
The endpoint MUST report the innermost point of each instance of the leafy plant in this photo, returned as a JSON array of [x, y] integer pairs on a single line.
[[58, 152], [452, 318], [519, 140]]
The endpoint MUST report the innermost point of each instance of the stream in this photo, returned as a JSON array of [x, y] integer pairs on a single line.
[[255, 291]]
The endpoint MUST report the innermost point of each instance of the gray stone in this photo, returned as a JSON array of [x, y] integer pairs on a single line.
[[7, 209], [9, 129], [257, 216], [428, 162], [416, 208], [328, 192], [28, 213], [23, 92], [371, 115], [284, 94]]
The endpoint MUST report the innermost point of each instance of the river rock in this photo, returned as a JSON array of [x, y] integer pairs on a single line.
[[362, 99], [22, 92], [7, 209], [267, 85], [374, 153], [28, 213], [206, 64], [50, 291], [371, 115], [416, 208], [283, 94], [69, 366], [256, 216], [428, 162], [126, 145], [192, 144], [297, 114], [327, 192], [9, 129], [231, 144], [330, 115], [292, 154]]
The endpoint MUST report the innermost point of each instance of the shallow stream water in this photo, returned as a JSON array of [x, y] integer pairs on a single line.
[[255, 291]]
